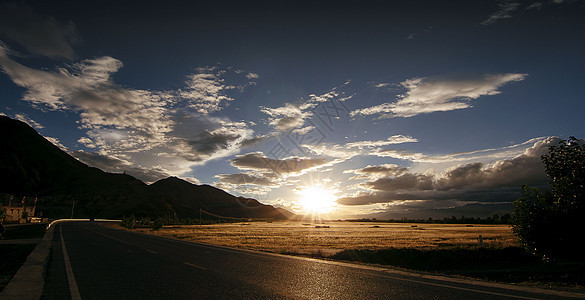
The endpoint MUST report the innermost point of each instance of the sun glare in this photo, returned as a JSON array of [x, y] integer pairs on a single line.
[[317, 200]]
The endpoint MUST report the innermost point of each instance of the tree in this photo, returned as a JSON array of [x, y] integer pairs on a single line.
[[549, 223]]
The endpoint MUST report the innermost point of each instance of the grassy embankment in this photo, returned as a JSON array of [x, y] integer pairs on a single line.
[[443, 248]]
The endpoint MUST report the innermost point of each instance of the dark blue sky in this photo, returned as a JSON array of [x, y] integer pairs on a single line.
[[395, 107]]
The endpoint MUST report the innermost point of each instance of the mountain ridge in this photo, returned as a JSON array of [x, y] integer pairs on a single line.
[[30, 165]]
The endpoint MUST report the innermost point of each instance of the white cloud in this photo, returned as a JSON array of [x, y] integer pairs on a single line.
[[206, 90], [483, 154], [56, 142], [252, 76], [506, 8], [427, 95], [287, 117], [24, 118], [87, 87], [395, 139], [147, 128], [294, 115]]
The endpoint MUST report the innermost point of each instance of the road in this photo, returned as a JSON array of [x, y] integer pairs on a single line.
[[89, 261]]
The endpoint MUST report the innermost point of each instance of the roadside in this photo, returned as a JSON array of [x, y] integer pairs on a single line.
[[508, 265], [19, 242]]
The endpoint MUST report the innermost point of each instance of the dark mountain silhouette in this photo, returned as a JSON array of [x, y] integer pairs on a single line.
[[34, 167], [187, 199]]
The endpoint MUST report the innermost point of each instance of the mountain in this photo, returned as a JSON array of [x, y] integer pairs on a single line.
[[187, 199], [34, 167]]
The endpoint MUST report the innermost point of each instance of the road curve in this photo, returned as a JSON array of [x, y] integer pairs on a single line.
[[89, 261]]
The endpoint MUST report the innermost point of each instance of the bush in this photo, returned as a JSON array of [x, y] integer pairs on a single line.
[[549, 223], [129, 222]]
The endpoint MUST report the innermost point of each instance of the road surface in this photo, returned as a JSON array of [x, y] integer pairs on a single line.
[[89, 261]]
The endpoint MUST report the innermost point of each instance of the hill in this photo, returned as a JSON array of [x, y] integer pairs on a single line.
[[32, 166], [187, 198]]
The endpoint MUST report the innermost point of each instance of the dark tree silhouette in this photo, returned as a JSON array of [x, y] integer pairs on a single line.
[[549, 223]]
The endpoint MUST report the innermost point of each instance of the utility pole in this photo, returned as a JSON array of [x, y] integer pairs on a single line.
[[72, 209]]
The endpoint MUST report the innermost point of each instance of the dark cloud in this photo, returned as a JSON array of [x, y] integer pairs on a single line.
[[385, 170], [258, 161], [497, 182], [38, 34], [115, 165], [209, 142], [245, 179], [403, 182]]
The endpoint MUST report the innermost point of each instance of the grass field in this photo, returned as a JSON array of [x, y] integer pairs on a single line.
[[440, 248], [332, 237]]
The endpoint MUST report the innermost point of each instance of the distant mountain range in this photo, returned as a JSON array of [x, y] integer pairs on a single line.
[[32, 166]]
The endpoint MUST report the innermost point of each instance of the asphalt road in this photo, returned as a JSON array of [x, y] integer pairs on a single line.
[[89, 261]]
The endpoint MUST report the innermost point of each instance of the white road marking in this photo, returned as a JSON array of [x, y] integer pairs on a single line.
[[195, 266], [150, 251], [70, 277]]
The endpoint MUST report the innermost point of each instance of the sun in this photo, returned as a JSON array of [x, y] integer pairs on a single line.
[[317, 200]]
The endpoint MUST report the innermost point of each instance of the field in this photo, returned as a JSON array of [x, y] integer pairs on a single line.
[[332, 237], [442, 248]]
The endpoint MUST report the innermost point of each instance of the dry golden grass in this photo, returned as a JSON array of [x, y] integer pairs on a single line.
[[305, 238]]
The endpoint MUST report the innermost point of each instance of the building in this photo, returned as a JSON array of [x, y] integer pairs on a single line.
[[18, 213]]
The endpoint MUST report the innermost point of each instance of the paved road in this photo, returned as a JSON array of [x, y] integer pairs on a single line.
[[89, 261]]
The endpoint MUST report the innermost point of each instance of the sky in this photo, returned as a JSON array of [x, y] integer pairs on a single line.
[[384, 109]]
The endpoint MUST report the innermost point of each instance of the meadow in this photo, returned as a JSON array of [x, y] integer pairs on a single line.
[[328, 238]]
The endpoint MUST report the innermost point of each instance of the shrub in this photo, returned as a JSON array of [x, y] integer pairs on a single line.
[[549, 223]]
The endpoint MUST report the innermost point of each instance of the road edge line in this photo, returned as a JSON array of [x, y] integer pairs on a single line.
[[73, 289]]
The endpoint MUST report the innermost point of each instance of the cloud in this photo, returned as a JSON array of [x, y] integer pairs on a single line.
[[199, 138], [406, 181], [483, 154], [506, 8], [427, 95], [24, 118], [113, 164], [392, 140], [206, 89], [287, 117], [147, 128], [292, 116], [209, 142], [38, 34], [87, 87], [246, 179], [342, 152], [252, 76], [381, 171], [56, 142], [472, 182], [257, 161]]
